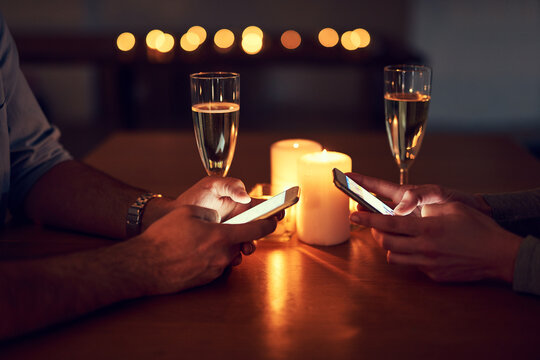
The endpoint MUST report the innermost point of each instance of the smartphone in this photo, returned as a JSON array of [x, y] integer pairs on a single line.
[[359, 194], [267, 208]]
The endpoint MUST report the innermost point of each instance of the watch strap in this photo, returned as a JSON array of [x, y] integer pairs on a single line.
[[135, 213]]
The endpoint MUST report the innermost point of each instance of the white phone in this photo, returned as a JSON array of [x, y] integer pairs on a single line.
[[267, 208], [359, 194]]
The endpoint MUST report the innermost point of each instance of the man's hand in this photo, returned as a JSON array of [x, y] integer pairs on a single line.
[[411, 198], [188, 248], [227, 196], [450, 242]]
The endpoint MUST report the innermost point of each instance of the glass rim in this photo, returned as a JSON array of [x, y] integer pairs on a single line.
[[407, 67], [214, 75]]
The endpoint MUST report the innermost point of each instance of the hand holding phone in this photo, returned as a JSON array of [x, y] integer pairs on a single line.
[[267, 208], [359, 194]]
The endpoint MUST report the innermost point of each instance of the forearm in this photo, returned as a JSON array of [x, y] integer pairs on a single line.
[[518, 212], [75, 196], [38, 293]]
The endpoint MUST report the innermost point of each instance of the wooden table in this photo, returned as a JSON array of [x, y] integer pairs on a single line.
[[290, 300]]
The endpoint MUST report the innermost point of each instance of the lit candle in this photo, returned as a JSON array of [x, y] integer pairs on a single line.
[[323, 210], [284, 157]]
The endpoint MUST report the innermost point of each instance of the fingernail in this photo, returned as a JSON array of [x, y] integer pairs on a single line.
[[399, 208], [355, 218]]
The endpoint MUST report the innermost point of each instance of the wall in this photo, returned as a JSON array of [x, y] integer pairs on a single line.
[[486, 62]]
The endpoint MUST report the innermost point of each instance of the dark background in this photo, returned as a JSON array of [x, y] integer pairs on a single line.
[[485, 57]]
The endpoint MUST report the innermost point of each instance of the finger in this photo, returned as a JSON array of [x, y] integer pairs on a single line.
[[418, 196], [203, 213], [237, 260], [248, 248], [405, 225], [232, 188], [252, 230], [378, 186], [396, 243], [408, 259]]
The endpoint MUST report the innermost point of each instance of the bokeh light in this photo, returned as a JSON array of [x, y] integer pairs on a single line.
[[291, 39], [125, 41], [199, 31], [188, 44], [364, 36], [252, 30], [193, 39], [154, 38], [224, 38], [167, 44], [252, 43], [350, 40], [328, 37]]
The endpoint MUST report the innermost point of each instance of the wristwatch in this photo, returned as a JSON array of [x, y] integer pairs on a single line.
[[135, 213]]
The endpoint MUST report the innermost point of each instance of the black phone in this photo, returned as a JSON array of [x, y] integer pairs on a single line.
[[268, 208], [359, 194]]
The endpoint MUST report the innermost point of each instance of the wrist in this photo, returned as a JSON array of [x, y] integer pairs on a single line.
[[154, 210], [482, 205], [509, 254]]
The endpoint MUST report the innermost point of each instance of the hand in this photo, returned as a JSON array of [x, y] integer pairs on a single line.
[[187, 248], [227, 196], [450, 242], [411, 198]]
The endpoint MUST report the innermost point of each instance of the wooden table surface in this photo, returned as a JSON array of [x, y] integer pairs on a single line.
[[290, 300]]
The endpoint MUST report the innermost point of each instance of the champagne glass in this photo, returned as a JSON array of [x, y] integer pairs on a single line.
[[215, 107], [407, 94]]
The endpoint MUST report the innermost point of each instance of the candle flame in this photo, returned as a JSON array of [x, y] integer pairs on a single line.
[[296, 145], [324, 151]]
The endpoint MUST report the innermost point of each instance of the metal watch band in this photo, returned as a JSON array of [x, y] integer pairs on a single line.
[[135, 213]]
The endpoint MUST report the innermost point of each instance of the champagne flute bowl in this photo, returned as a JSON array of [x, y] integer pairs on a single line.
[[215, 108]]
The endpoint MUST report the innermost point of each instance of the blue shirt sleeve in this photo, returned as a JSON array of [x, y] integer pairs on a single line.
[[33, 142]]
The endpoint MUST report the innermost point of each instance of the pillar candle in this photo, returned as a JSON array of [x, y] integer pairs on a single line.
[[323, 210], [284, 157]]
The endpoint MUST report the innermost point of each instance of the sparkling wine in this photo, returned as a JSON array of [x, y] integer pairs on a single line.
[[406, 117], [216, 129]]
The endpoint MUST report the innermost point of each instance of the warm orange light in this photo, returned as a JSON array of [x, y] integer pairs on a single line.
[[364, 36], [290, 39], [199, 31], [125, 41], [167, 44], [350, 40], [193, 39], [328, 37], [188, 44], [154, 38], [252, 43], [224, 38], [252, 30]]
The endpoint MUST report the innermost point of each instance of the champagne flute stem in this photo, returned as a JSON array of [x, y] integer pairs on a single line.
[[403, 176]]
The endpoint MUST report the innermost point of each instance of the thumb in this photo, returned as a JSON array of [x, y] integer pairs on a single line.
[[233, 188], [419, 196]]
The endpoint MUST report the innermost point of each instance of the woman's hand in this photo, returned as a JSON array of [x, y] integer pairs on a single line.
[[450, 242], [407, 199]]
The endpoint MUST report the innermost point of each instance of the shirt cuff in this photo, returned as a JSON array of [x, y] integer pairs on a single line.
[[527, 267]]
